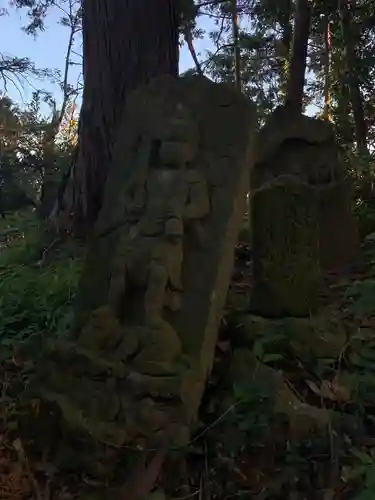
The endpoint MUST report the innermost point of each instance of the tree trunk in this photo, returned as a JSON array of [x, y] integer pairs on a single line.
[[286, 41], [47, 193], [343, 108], [236, 46], [327, 112], [125, 44], [347, 8], [297, 67]]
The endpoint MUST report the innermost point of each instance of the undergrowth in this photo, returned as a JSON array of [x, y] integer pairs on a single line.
[[36, 291], [243, 446], [250, 454]]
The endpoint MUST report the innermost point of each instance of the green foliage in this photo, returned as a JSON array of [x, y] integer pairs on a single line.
[[360, 294], [19, 69], [265, 349], [365, 469], [266, 29], [34, 300], [249, 410], [20, 239], [36, 12], [25, 173], [365, 212], [250, 416], [35, 297]]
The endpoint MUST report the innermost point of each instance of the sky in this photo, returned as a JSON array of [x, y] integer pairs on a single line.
[[48, 50]]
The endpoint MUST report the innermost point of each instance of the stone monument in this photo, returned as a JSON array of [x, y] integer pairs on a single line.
[[301, 216], [157, 272]]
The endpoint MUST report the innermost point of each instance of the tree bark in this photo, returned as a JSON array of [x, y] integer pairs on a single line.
[[343, 110], [327, 112], [347, 8], [125, 43], [297, 67], [286, 41], [236, 46]]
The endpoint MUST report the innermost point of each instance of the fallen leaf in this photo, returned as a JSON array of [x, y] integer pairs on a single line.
[[17, 445], [327, 391], [341, 392]]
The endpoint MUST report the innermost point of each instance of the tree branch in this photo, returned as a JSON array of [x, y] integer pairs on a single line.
[[189, 41]]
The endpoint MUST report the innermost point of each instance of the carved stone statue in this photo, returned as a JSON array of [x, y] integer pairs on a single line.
[[168, 198], [156, 275]]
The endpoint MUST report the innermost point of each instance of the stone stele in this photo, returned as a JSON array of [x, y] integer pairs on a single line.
[[158, 269], [306, 149], [301, 214]]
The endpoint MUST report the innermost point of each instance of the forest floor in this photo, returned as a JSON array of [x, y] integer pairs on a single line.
[[301, 424], [289, 410]]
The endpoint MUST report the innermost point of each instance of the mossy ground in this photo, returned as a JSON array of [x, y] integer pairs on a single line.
[[246, 444]]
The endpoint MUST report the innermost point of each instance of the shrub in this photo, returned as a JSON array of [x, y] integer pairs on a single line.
[[34, 297]]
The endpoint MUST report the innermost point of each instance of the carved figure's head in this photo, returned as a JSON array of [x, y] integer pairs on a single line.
[[179, 142]]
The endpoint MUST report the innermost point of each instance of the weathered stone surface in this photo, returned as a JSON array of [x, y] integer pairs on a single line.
[[317, 158], [286, 271], [158, 270], [317, 337], [299, 190]]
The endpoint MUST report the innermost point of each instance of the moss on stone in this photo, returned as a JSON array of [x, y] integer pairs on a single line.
[[320, 336], [286, 258]]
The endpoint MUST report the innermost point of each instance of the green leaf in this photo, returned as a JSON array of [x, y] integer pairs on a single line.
[[357, 360], [363, 457], [258, 350], [269, 358]]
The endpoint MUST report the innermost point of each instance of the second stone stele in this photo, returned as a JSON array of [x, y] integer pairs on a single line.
[[301, 215]]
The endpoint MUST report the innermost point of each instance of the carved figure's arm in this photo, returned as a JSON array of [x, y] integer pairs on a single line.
[[198, 205]]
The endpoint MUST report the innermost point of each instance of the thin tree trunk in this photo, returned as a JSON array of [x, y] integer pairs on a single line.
[[344, 126], [297, 67], [125, 43], [236, 45], [286, 41], [47, 197], [347, 8], [47, 190], [327, 111]]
